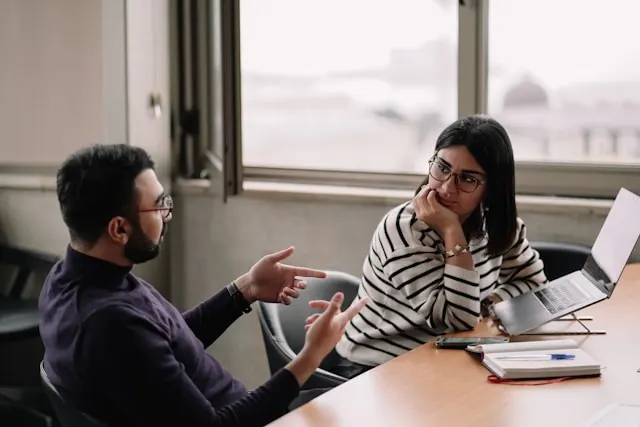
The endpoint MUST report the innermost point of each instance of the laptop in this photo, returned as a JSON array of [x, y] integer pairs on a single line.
[[595, 282]]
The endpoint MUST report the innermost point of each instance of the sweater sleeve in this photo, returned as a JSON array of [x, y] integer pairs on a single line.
[[130, 360], [522, 269], [447, 296], [209, 319]]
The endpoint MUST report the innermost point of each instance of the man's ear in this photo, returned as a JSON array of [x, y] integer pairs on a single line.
[[118, 230]]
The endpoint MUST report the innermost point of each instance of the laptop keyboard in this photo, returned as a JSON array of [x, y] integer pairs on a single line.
[[560, 297]]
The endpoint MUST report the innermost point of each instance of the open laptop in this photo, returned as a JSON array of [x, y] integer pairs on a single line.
[[595, 282]]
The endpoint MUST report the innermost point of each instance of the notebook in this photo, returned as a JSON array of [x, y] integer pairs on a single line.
[[537, 359]]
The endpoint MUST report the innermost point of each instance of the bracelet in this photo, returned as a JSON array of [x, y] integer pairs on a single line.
[[457, 250], [238, 299]]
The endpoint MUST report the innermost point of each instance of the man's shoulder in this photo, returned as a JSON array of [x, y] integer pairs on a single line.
[[115, 313]]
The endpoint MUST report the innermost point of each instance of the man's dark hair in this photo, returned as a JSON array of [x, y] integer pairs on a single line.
[[489, 143], [97, 183]]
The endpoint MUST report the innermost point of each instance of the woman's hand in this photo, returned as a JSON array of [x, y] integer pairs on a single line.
[[431, 212]]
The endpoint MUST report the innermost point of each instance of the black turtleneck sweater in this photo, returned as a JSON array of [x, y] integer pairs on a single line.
[[116, 349]]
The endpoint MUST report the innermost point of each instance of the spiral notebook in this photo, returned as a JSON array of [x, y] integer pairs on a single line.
[[537, 359]]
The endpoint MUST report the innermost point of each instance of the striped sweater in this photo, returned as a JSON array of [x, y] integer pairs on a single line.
[[415, 296]]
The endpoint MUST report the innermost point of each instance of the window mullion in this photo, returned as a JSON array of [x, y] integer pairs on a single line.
[[472, 57]]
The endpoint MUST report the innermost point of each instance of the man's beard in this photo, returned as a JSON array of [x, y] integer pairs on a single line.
[[140, 248]]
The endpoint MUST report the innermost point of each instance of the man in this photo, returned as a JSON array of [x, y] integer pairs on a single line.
[[119, 351]]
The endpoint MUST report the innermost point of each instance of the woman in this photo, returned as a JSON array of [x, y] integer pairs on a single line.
[[436, 261]]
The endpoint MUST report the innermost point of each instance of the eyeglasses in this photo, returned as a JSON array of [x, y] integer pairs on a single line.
[[465, 182], [166, 207]]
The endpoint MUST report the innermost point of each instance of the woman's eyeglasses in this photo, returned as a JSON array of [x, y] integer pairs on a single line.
[[465, 182]]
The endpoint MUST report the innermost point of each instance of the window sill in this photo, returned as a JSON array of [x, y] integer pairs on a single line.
[[327, 193], [351, 194], [27, 181]]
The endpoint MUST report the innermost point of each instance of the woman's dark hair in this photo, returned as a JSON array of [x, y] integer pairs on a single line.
[[97, 183], [489, 143]]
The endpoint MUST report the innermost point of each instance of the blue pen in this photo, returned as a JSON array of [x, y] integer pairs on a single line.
[[552, 356]]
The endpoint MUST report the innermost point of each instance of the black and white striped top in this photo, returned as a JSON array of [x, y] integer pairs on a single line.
[[415, 296]]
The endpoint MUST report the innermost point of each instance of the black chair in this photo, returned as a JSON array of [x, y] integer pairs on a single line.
[[68, 416], [283, 326], [19, 317], [561, 258], [19, 321]]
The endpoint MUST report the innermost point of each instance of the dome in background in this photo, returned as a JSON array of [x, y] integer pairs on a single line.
[[526, 93]]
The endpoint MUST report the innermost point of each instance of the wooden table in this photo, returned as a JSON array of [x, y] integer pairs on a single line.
[[431, 387]]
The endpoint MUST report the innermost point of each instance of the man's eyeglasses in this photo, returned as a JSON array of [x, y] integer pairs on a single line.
[[465, 182], [166, 207]]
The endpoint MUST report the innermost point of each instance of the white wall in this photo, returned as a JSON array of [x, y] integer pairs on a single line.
[[213, 243]]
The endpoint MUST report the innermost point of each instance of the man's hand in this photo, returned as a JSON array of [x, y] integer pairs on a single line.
[[324, 330], [270, 281], [430, 211]]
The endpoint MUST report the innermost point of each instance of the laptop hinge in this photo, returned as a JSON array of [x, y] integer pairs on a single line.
[[601, 286]]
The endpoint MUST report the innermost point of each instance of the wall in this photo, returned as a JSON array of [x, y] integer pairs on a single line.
[[74, 73], [213, 243], [42, 43]]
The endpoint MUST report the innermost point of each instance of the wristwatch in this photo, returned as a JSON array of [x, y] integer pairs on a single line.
[[457, 250], [238, 299]]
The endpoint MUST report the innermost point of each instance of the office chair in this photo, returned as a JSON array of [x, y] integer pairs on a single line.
[[67, 415], [18, 316], [19, 320], [561, 258], [283, 326]]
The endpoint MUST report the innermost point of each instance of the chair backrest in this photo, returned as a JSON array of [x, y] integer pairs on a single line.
[[67, 415], [27, 262], [561, 258], [283, 325]]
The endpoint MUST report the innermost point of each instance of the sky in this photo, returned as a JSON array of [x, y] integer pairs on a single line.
[[558, 41]]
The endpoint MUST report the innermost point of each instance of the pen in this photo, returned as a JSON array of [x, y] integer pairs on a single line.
[[552, 356]]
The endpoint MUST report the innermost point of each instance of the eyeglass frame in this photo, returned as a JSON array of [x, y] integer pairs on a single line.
[[436, 159], [167, 201]]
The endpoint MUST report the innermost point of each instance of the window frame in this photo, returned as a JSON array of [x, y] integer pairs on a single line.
[[541, 178]]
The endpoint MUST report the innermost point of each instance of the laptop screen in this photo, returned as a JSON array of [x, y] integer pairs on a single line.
[[616, 240]]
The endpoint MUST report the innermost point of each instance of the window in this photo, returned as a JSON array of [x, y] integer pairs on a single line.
[[354, 92], [364, 85], [564, 78]]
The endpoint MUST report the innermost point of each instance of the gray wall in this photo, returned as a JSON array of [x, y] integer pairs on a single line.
[[213, 243]]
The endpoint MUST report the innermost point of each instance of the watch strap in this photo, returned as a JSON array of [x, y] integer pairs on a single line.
[[238, 299]]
